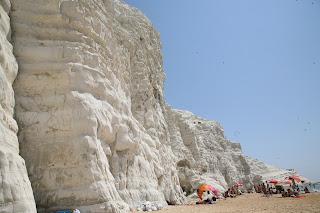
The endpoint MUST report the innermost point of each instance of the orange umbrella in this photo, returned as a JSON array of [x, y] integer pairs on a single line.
[[205, 187]]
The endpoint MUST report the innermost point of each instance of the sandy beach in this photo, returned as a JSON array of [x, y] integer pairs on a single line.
[[255, 203]]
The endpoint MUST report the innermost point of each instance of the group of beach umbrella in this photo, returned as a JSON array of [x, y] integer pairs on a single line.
[[207, 187], [287, 181]]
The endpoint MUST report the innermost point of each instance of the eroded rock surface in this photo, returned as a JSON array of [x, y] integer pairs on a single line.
[[204, 155], [89, 106], [262, 171], [94, 129], [15, 188], [203, 152]]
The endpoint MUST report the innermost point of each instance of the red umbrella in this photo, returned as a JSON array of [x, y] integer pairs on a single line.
[[274, 181], [297, 179]]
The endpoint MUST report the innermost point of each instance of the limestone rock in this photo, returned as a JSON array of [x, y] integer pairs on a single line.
[[267, 172], [94, 128], [89, 104], [15, 188], [203, 153]]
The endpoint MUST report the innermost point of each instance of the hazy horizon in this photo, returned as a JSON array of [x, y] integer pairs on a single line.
[[252, 66]]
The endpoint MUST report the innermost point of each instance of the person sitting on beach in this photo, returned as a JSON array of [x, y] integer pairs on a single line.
[[297, 191], [233, 192], [259, 188], [291, 193], [284, 193], [306, 190], [207, 197], [235, 188], [239, 191], [226, 193]]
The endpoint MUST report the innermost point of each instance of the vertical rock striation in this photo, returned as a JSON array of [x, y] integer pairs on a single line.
[[89, 105], [15, 188], [203, 153], [94, 129]]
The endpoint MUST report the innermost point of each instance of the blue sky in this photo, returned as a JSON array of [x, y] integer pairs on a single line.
[[254, 66]]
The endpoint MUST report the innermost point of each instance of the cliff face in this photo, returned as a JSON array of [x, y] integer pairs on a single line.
[[203, 153], [94, 129], [266, 172], [15, 189], [89, 105]]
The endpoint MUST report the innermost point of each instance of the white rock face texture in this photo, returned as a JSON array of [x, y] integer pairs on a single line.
[[89, 105], [267, 172], [15, 188], [94, 129], [203, 153]]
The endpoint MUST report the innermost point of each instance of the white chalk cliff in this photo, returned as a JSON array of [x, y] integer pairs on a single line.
[[94, 128], [203, 154], [203, 151], [15, 188]]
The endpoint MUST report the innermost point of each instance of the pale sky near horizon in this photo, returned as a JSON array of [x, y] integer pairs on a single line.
[[254, 66]]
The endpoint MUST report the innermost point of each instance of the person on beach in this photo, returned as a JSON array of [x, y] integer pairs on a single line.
[[227, 193], [232, 192], [306, 190], [284, 193], [266, 189], [294, 185], [270, 191], [291, 193], [263, 188], [238, 191], [259, 188]]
